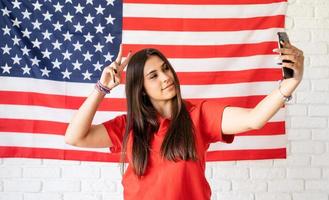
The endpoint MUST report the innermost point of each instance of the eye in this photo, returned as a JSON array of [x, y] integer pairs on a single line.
[[165, 67], [154, 75]]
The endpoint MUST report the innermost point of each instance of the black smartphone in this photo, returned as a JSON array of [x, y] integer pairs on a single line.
[[287, 72]]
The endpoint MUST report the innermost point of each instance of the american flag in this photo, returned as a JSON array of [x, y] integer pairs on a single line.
[[53, 52]]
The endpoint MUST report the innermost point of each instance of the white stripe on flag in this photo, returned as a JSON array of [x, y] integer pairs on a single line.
[[188, 91], [199, 38], [224, 64], [204, 11], [37, 140], [65, 115], [57, 142], [49, 114], [252, 142]]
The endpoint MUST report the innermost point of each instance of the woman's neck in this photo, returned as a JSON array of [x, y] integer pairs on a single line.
[[164, 108]]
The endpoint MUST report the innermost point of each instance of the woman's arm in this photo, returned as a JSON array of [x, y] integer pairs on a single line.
[[236, 120], [80, 131]]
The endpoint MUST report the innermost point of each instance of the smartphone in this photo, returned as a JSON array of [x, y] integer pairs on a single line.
[[287, 72]]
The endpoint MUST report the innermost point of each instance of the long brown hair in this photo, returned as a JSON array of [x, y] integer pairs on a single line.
[[179, 141]]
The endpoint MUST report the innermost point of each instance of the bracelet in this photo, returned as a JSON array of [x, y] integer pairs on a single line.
[[102, 88], [285, 98]]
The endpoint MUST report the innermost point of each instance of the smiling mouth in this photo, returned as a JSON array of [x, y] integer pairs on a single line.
[[168, 86]]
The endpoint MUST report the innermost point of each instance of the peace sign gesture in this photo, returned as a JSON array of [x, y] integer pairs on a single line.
[[111, 75]]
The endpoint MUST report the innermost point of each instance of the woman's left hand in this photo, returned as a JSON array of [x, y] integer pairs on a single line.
[[295, 55]]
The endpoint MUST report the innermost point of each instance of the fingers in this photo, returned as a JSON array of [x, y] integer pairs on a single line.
[[119, 57], [126, 61]]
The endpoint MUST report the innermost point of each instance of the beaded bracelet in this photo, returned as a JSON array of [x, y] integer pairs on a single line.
[[285, 98], [102, 88]]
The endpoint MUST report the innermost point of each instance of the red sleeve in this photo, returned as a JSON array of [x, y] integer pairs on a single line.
[[116, 129], [211, 113]]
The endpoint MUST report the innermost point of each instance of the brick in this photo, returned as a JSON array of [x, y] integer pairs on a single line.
[[320, 160], [304, 173], [22, 161], [296, 110], [314, 48], [313, 2], [80, 172], [82, 196], [320, 85], [255, 163], [311, 147], [299, 36], [41, 172], [10, 172], [321, 12], [61, 186], [235, 196], [272, 196], [112, 172], [52, 162], [42, 196], [319, 60], [231, 173], [285, 185], [320, 35], [312, 97], [316, 72], [308, 196], [308, 122], [300, 11], [293, 160], [267, 173], [11, 196], [112, 196], [249, 186], [219, 185], [326, 173], [318, 185], [320, 134], [299, 134], [318, 110], [22, 186], [310, 23], [99, 185]]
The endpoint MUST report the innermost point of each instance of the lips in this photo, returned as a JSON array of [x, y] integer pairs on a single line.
[[168, 86]]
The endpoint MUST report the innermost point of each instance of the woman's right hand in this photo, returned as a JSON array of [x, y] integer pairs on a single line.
[[111, 75]]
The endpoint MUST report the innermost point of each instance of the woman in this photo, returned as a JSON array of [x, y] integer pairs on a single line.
[[164, 138]]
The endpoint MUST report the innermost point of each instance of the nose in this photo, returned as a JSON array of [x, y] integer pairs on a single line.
[[164, 77]]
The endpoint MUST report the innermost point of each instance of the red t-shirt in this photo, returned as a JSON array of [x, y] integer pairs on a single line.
[[171, 180]]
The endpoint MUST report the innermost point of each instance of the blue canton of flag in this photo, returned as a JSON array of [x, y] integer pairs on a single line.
[[59, 40]]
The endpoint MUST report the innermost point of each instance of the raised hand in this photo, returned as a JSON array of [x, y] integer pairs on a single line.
[[295, 55], [111, 75]]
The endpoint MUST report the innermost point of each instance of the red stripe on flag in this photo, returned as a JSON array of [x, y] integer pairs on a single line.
[[58, 128], [202, 51], [246, 154], [33, 126], [112, 104], [227, 77], [204, 2], [183, 24], [26, 152]]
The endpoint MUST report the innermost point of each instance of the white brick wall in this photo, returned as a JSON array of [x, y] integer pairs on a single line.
[[304, 175]]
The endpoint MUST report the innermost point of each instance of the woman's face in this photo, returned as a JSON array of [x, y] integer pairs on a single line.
[[159, 81]]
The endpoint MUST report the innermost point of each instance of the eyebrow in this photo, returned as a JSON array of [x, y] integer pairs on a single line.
[[154, 70]]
